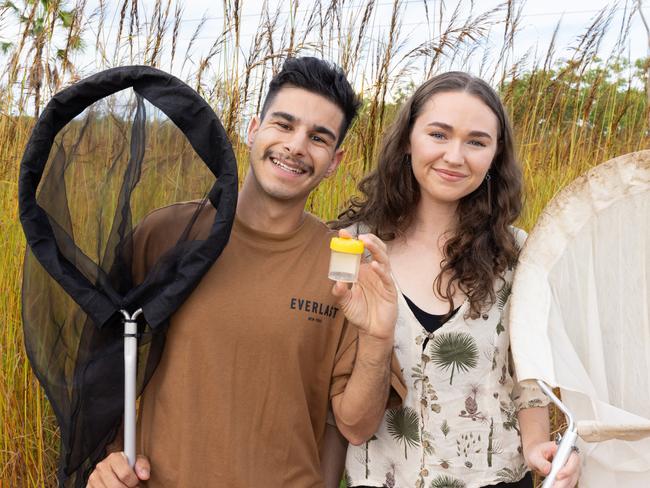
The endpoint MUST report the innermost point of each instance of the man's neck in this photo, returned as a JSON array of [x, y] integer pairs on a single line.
[[260, 212]]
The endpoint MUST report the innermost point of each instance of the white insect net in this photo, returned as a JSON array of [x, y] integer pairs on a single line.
[[579, 316]]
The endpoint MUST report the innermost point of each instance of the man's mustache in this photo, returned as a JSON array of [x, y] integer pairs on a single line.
[[286, 157]]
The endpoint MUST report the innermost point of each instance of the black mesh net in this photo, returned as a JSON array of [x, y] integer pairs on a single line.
[[104, 154]]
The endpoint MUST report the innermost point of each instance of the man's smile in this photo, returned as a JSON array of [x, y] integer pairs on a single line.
[[289, 165]]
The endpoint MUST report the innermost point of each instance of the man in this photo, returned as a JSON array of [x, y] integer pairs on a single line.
[[264, 344]]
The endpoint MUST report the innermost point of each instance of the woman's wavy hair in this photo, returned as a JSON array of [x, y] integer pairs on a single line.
[[483, 246]]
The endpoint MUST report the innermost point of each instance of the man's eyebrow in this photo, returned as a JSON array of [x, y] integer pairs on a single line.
[[474, 133], [320, 129], [284, 115], [324, 130]]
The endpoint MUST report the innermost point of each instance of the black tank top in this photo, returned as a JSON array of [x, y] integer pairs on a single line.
[[429, 321]]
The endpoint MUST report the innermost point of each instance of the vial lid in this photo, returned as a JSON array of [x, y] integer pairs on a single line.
[[346, 245]]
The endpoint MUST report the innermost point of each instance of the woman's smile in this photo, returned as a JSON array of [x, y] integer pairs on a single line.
[[448, 175]]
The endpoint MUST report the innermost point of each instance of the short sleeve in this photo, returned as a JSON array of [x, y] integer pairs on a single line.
[[344, 363], [163, 228], [526, 394], [344, 359]]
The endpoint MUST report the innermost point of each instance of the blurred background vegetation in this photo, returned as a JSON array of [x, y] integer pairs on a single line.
[[570, 112]]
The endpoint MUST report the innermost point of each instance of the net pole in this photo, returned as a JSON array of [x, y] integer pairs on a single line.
[[566, 443], [130, 372]]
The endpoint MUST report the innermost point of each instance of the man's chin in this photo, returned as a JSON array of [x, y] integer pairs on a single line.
[[285, 195], [284, 190]]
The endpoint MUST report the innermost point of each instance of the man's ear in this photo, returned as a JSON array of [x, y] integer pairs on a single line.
[[334, 164], [253, 127]]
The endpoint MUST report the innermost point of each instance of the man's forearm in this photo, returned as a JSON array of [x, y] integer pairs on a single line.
[[360, 408]]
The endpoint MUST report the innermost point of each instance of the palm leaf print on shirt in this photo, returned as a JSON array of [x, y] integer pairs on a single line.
[[404, 425], [454, 350], [509, 475], [444, 481], [503, 294], [502, 298]]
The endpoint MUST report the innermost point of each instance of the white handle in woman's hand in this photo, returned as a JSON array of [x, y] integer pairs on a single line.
[[561, 456]]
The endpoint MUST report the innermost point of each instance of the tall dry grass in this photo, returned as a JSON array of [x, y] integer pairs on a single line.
[[568, 115]]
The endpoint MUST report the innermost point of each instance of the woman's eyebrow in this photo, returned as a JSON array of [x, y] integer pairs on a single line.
[[442, 125], [474, 133], [480, 133]]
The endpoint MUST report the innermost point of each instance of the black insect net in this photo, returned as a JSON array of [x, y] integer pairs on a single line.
[[103, 155]]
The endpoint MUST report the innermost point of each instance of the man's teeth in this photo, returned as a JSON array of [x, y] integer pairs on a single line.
[[297, 171]]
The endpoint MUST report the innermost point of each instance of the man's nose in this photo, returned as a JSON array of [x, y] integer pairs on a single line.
[[296, 143]]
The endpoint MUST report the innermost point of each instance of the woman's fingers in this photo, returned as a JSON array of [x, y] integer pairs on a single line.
[[569, 474]]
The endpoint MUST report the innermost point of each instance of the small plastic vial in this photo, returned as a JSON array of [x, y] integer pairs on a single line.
[[345, 259]]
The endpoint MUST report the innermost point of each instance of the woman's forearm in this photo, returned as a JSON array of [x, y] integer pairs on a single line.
[[534, 426]]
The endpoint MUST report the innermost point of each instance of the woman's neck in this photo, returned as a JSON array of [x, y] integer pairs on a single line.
[[417, 254], [431, 222]]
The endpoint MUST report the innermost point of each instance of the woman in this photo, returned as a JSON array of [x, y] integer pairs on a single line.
[[444, 195]]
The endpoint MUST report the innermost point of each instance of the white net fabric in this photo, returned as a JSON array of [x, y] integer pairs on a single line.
[[579, 317]]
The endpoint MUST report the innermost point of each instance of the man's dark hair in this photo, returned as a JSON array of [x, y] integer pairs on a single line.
[[320, 77]]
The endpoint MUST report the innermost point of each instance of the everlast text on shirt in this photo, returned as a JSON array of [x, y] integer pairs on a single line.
[[313, 307]]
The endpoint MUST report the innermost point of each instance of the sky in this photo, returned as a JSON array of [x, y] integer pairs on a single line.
[[539, 19], [538, 22]]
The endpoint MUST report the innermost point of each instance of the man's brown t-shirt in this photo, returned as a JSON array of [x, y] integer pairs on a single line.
[[240, 396]]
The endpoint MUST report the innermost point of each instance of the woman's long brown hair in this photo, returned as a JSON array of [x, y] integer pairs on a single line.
[[483, 246]]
